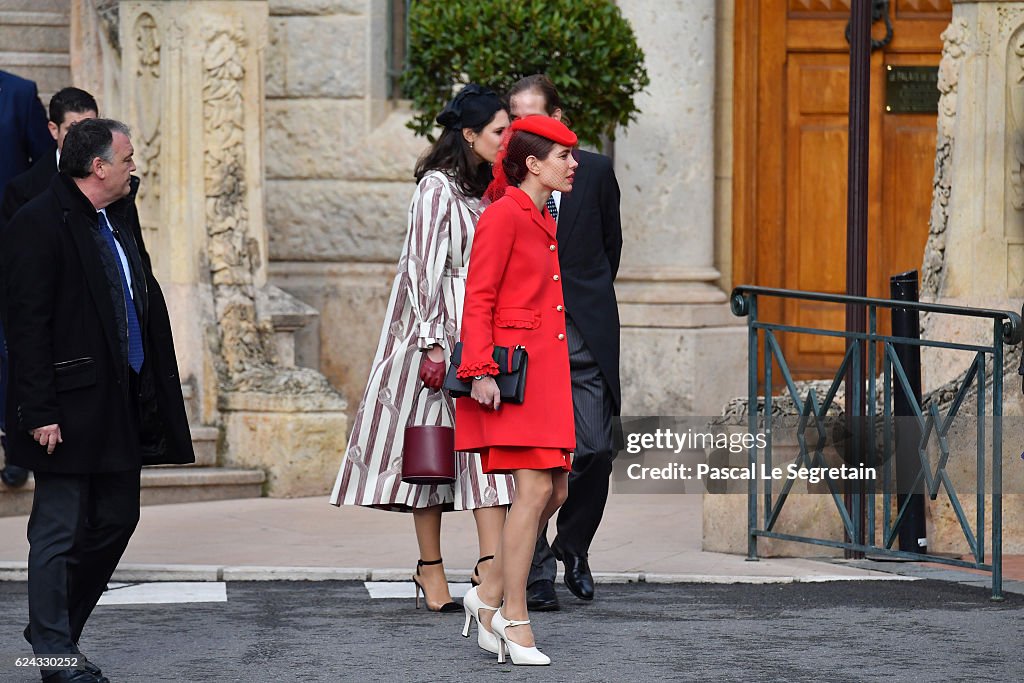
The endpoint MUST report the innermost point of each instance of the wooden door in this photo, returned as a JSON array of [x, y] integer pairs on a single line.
[[790, 151]]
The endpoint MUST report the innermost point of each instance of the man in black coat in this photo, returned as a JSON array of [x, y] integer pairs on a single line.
[[67, 107], [589, 246], [94, 391]]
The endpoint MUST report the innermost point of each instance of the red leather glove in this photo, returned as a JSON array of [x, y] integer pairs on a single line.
[[432, 373]]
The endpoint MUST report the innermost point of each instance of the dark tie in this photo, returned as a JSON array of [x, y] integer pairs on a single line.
[[135, 353], [552, 208]]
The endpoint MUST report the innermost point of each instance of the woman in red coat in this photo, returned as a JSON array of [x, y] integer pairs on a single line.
[[514, 297]]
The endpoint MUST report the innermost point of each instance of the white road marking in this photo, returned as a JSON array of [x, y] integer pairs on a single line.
[[406, 589], [165, 593]]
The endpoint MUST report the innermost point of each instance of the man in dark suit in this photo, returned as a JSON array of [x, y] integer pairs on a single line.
[[23, 141], [67, 107], [589, 246], [94, 391], [23, 136]]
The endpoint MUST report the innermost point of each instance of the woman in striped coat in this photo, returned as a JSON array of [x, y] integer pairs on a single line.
[[420, 328]]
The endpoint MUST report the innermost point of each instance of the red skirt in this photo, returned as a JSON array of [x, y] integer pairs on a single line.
[[504, 459]]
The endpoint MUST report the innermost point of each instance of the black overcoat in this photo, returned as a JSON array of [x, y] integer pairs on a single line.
[[30, 184], [67, 363], [589, 247]]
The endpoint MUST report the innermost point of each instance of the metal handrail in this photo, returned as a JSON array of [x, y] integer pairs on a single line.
[[1013, 328], [1007, 329]]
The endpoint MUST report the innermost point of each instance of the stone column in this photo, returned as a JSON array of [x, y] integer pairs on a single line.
[[682, 350], [192, 88], [975, 250]]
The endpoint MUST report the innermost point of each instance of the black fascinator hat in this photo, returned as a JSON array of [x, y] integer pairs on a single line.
[[472, 107]]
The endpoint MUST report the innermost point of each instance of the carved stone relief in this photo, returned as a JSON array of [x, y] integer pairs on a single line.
[[955, 46], [1015, 118], [148, 106], [1009, 17], [108, 12], [230, 249], [247, 358], [1014, 224]]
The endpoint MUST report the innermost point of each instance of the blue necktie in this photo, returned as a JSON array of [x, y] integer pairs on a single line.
[[135, 352], [552, 208]]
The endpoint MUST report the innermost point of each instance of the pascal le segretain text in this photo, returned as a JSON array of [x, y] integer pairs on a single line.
[[702, 471]]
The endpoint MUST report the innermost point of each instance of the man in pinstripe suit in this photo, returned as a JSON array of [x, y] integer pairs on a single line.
[[589, 245]]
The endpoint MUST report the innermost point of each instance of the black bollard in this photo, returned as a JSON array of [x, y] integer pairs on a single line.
[[906, 323]]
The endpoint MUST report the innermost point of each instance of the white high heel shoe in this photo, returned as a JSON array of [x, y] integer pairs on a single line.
[[484, 638], [520, 654]]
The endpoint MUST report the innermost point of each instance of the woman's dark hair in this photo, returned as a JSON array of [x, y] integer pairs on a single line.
[[521, 145], [451, 154]]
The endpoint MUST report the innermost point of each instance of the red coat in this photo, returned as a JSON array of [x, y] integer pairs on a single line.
[[514, 296]]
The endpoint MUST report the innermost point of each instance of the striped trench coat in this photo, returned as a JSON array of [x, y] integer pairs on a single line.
[[425, 308]]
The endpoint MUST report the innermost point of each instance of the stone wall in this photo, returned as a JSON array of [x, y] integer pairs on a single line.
[[192, 88], [682, 348], [339, 177], [34, 42], [339, 166]]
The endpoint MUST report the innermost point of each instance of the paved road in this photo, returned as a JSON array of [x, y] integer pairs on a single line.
[[333, 631]]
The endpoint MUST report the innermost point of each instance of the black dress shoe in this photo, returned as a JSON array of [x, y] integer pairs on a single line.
[[14, 476], [541, 597], [83, 663], [74, 676], [578, 578]]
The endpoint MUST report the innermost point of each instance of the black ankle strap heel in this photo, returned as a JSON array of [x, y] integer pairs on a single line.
[[446, 607], [476, 572]]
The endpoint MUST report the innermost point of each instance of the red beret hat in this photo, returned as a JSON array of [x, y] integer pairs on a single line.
[[546, 127]]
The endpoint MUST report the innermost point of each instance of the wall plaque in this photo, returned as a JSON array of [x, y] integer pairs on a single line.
[[911, 89]]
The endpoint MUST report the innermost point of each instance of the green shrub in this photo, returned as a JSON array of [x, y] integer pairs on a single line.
[[586, 47]]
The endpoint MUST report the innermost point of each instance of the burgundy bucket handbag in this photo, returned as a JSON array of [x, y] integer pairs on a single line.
[[428, 455]]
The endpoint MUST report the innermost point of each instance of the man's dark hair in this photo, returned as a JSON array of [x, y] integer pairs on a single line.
[[87, 140], [541, 84], [71, 99]]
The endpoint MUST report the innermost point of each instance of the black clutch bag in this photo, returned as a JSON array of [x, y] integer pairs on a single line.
[[511, 379]]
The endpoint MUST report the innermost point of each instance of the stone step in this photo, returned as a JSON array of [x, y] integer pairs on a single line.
[[50, 71], [18, 18], [163, 485], [55, 6], [204, 441], [35, 42], [48, 39]]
